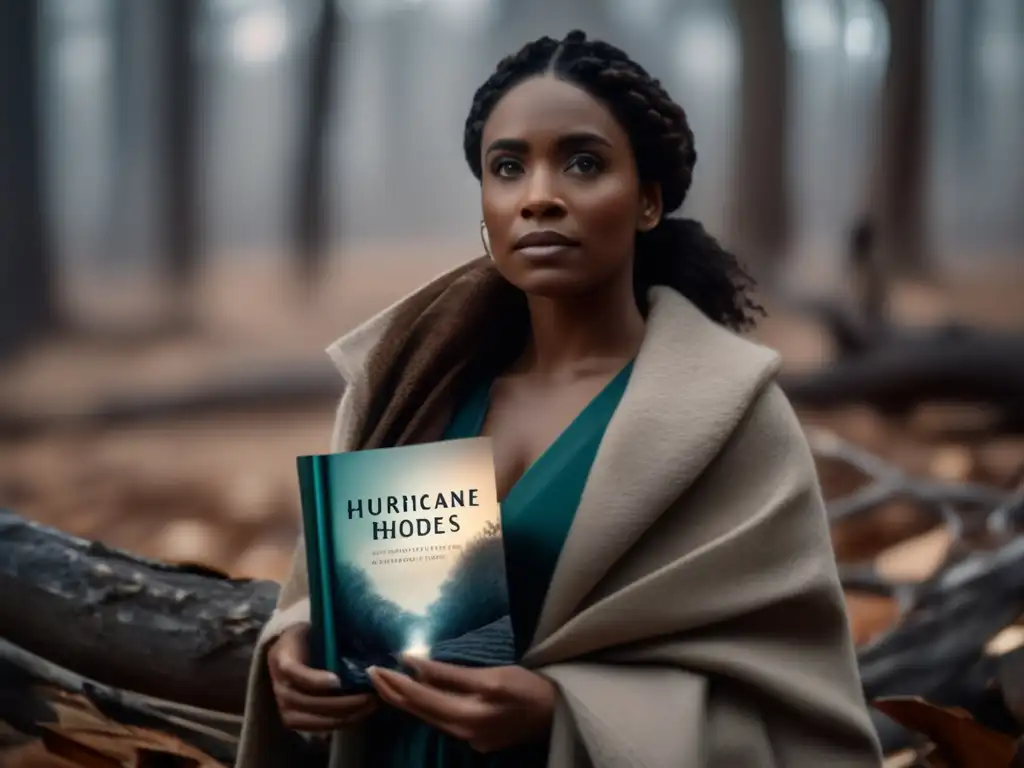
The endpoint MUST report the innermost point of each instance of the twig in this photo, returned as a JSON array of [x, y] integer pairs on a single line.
[[888, 483], [131, 708]]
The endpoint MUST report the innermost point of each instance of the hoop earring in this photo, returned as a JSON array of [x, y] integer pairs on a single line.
[[485, 238]]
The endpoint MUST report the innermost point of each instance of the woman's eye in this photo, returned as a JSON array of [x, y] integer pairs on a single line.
[[585, 164], [506, 167]]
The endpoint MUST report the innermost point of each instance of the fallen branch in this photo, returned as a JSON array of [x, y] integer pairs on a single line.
[[26, 679], [894, 368], [177, 632], [887, 483], [898, 374], [277, 387]]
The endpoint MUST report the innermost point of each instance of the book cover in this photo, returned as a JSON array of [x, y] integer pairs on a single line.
[[404, 552]]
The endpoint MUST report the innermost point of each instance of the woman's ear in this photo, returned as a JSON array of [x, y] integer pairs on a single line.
[[651, 207]]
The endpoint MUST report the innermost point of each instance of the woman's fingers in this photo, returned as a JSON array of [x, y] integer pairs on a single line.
[[394, 697], [305, 679], [326, 706], [288, 664], [311, 699], [448, 711], [449, 676]]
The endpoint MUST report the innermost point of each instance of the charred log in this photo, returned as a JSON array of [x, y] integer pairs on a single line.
[[953, 364], [179, 632], [245, 391]]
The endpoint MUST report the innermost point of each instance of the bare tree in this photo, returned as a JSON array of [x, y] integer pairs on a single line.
[[127, 78], [309, 214], [896, 194], [761, 207], [27, 281], [179, 203]]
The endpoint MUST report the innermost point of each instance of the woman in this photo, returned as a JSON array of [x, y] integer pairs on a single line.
[[673, 593]]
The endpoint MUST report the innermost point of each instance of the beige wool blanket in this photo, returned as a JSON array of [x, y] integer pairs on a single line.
[[695, 618]]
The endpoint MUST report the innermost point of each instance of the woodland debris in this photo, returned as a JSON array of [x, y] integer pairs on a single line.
[[88, 723], [99, 622], [179, 632], [956, 738]]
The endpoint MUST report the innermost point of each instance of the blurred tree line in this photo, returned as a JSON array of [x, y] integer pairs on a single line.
[[761, 215]]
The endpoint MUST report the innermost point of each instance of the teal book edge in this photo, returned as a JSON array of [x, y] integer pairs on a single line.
[[404, 554], [316, 505]]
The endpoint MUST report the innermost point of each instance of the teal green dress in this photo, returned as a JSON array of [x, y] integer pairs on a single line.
[[536, 515]]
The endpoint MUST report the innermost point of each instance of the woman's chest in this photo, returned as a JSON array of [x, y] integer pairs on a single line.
[[528, 427]]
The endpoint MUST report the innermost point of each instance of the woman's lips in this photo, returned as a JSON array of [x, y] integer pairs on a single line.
[[545, 251]]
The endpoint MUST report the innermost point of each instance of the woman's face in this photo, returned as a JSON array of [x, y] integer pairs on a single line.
[[561, 198]]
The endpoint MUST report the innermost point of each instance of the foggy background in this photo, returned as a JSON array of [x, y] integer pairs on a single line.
[[198, 196], [403, 79]]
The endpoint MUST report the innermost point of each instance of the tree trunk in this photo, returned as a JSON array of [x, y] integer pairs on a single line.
[[309, 215], [761, 206], [125, 135], [179, 230], [27, 280], [897, 189]]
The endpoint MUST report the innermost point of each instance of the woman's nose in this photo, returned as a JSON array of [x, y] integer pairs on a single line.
[[542, 199]]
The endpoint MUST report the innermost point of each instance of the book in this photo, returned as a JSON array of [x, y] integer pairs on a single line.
[[404, 552]]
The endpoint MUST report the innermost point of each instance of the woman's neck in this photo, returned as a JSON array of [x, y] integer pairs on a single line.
[[577, 336]]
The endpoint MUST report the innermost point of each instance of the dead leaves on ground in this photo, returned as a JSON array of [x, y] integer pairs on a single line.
[[956, 739], [83, 737], [910, 561]]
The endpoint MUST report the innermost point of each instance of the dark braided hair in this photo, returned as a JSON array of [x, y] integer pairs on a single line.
[[678, 252]]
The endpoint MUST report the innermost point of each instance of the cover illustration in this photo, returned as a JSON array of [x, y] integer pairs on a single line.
[[404, 552]]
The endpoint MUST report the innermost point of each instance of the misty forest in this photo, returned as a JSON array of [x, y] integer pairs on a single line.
[[200, 195]]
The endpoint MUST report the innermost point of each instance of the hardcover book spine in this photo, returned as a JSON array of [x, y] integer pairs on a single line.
[[316, 512]]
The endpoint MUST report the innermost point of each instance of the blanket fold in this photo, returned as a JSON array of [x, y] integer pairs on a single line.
[[695, 616]]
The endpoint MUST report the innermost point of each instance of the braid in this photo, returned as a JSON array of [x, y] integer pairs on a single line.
[[532, 59], [678, 252]]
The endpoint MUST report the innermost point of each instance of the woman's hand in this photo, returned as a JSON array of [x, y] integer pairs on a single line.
[[492, 708], [308, 698]]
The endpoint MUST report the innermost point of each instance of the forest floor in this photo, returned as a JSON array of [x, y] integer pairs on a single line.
[[221, 489]]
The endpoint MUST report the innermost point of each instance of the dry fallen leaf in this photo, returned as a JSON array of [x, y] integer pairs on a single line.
[[188, 540], [952, 463], [86, 738], [1002, 461], [863, 537], [1010, 639], [263, 560], [135, 748], [869, 615], [76, 713], [33, 755], [79, 750], [915, 559], [905, 758], [959, 740]]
